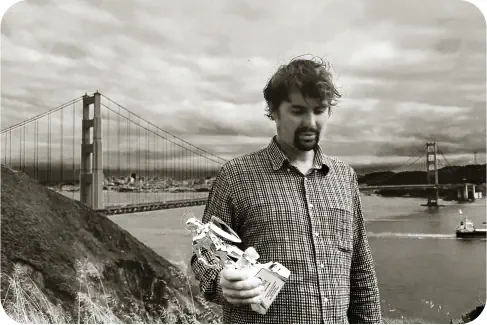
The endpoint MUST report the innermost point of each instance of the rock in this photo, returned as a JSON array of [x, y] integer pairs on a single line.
[[82, 266], [473, 314]]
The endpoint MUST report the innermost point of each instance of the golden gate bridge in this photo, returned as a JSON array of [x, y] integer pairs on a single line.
[[95, 150]]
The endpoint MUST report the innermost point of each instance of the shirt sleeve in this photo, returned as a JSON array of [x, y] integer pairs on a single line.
[[364, 305], [219, 204]]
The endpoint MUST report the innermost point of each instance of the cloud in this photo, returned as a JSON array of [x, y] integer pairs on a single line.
[[410, 72]]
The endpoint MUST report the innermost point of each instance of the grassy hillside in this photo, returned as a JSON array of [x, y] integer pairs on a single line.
[[62, 262]]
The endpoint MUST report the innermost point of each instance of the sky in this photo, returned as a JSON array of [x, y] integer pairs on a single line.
[[409, 72]]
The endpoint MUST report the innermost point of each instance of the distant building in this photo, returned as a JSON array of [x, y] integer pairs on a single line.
[[209, 181], [132, 178]]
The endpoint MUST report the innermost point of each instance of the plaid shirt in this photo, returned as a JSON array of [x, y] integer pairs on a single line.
[[312, 224]]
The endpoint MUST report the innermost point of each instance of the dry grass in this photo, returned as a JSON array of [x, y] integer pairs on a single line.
[[403, 320], [25, 302], [212, 314]]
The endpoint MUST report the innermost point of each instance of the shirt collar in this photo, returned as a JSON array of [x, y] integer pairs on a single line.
[[278, 158]]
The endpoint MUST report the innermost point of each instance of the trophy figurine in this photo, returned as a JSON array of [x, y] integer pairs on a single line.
[[212, 238]]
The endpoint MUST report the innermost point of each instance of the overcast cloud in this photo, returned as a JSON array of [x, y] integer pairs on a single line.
[[410, 71]]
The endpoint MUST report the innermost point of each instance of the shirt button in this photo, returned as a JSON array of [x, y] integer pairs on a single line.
[[322, 265], [317, 234], [288, 170], [325, 299], [310, 205]]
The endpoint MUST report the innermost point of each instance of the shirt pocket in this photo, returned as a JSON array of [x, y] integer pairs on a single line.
[[344, 235], [339, 240], [335, 224]]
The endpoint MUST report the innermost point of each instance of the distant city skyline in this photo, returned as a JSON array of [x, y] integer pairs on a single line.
[[410, 72]]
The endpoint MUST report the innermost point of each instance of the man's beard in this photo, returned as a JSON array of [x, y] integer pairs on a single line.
[[306, 143]]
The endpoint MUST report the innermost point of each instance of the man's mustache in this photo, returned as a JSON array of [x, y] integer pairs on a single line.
[[306, 130]]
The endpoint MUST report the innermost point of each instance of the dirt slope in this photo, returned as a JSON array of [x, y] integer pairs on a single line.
[[60, 244]]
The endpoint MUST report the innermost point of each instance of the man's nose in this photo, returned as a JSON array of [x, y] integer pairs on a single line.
[[310, 121]]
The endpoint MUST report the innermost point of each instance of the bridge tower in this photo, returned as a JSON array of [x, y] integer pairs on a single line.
[[91, 174], [432, 173]]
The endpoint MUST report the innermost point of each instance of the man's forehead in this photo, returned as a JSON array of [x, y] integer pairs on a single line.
[[296, 98]]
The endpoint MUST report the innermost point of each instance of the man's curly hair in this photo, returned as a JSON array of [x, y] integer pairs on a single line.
[[311, 77]]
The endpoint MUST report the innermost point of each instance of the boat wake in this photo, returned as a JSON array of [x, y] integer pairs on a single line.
[[410, 235], [387, 220]]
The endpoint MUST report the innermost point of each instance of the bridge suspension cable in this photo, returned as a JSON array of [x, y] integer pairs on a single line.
[[162, 167], [403, 167], [145, 128], [441, 153], [43, 146], [48, 148], [160, 164], [37, 117], [168, 133]]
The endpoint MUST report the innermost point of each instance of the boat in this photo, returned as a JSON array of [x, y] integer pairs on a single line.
[[466, 229]]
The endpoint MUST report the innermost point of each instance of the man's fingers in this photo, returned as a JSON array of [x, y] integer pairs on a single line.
[[249, 284], [231, 274], [238, 288], [248, 301], [242, 294]]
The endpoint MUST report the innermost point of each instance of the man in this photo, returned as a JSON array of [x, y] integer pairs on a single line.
[[298, 207]]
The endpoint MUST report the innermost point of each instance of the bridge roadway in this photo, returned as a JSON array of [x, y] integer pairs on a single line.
[[162, 205], [151, 206], [412, 186]]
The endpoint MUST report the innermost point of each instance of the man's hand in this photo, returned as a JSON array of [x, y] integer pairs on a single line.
[[238, 288]]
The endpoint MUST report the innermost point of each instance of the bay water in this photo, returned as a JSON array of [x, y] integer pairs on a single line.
[[423, 270]]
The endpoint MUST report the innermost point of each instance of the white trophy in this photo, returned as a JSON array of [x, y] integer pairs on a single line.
[[210, 237]]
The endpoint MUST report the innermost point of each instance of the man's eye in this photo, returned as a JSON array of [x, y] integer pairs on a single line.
[[321, 110]]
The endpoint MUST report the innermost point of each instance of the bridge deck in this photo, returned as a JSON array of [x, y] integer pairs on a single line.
[[151, 206], [163, 205], [412, 186]]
